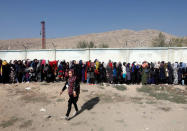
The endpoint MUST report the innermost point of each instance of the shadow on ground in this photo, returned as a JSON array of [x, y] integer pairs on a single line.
[[88, 105]]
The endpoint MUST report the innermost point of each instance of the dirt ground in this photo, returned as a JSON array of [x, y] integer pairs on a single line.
[[39, 107]]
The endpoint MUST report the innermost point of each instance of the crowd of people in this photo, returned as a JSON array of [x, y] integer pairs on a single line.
[[93, 72]]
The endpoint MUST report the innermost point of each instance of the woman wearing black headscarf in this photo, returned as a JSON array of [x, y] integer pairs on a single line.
[[0, 70], [19, 71], [128, 76], [5, 72], [162, 74], [73, 90], [119, 73], [170, 73]]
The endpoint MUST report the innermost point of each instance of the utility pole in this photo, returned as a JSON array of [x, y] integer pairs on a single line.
[[43, 35], [25, 47], [54, 46]]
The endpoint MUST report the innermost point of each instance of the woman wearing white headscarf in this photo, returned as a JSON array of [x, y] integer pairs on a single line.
[[175, 73]]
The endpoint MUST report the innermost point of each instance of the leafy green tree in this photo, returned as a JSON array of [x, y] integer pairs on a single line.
[[176, 42], [91, 45], [185, 42], [103, 45], [85, 44], [82, 44], [160, 41]]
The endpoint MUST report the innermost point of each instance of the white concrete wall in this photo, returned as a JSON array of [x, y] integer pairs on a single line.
[[179, 54], [127, 54], [12, 55], [149, 55], [109, 54], [40, 54], [70, 54]]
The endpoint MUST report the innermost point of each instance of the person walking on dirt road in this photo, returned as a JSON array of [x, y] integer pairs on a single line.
[[73, 90]]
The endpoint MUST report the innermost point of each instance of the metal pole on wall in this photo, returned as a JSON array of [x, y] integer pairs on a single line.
[[54, 49], [25, 51], [55, 53], [128, 55], [89, 53], [168, 55]]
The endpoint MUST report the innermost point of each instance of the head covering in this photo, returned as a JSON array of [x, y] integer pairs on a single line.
[[4, 63], [80, 62], [175, 65], [72, 71], [145, 64], [97, 65], [43, 62], [183, 65]]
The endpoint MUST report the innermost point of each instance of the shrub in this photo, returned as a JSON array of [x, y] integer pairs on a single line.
[[165, 93], [160, 41], [91, 45], [82, 44], [85, 44], [103, 45], [176, 42]]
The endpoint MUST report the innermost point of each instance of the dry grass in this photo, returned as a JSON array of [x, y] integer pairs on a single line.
[[150, 102], [60, 100], [108, 97], [31, 96], [137, 100], [26, 124], [9, 122], [120, 87], [164, 92], [35, 98], [166, 109], [83, 90]]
